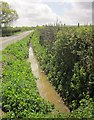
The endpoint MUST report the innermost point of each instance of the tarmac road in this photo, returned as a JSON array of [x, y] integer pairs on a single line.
[[5, 41]]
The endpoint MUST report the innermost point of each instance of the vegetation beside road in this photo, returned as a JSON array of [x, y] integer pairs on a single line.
[[66, 56], [20, 97], [8, 31]]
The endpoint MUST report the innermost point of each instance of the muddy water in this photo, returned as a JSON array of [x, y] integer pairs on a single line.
[[1, 114], [46, 90]]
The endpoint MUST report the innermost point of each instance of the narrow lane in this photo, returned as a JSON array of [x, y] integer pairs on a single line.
[[5, 41]]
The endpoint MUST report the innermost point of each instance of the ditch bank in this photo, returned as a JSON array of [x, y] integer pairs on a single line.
[[46, 90]]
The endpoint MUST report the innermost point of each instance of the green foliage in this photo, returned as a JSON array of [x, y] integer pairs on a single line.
[[8, 31], [67, 59], [86, 109], [8, 15], [20, 97]]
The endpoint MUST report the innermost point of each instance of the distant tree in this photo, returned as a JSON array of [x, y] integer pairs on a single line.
[[7, 15]]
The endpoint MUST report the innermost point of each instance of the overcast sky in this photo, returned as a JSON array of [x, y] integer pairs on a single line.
[[39, 12]]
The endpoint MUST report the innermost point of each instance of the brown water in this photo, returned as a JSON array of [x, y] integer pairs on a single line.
[[46, 90], [1, 114]]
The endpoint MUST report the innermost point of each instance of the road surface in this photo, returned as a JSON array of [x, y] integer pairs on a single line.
[[5, 41]]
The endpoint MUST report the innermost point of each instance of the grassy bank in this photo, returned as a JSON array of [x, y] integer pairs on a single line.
[[20, 97]]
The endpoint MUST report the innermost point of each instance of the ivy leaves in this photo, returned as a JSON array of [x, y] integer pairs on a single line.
[[67, 59], [20, 97]]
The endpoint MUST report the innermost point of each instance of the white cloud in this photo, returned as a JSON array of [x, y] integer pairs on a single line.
[[81, 12], [37, 12], [32, 12], [68, 0]]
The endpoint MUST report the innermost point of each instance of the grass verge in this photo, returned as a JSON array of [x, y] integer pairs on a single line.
[[20, 97]]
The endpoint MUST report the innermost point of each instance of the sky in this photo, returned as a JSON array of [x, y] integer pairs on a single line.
[[40, 12]]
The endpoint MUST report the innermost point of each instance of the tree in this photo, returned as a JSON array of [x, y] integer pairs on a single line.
[[7, 15]]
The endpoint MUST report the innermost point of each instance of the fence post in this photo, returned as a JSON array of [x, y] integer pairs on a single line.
[[78, 25]]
